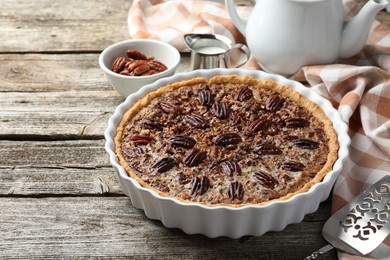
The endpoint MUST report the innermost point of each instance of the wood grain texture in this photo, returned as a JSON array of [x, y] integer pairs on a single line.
[[58, 181], [77, 153], [56, 96], [93, 227], [62, 26], [59, 196], [51, 73]]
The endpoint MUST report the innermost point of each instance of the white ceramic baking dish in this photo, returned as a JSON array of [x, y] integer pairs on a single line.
[[217, 221]]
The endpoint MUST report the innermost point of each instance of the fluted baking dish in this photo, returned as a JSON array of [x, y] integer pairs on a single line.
[[234, 222]]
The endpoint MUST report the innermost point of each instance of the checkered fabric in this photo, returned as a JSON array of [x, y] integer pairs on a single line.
[[358, 87]]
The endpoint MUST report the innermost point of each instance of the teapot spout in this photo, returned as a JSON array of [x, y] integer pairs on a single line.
[[355, 33]]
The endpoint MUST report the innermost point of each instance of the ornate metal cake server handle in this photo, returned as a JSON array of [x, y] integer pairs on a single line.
[[361, 225]]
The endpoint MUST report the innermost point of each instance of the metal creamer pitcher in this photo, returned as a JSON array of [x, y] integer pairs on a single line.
[[210, 51]]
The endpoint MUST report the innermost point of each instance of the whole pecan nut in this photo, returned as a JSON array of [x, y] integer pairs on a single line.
[[118, 64], [293, 166], [169, 108], [141, 139], [296, 122], [205, 97], [200, 185], [305, 144], [243, 94], [136, 55], [196, 121], [137, 64], [265, 179], [182, 141], [230, 167], [274, 103], [259, 125], [152, 124], [236, 191], [228, 138], [194, 157], [267, 149], [220, 110], [164, 164]]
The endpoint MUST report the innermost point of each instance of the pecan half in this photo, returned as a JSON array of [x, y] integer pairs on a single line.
[[196, 121], [132, 65], [157, 65], [169, 108], [140, 70], [259, 125], [305, 144], [243, 94], [136, 55], [194, 157], [118, 64], [199, 185], [125, 72], [151, 124], [236, 191], [141, 139], [164, 164], [133, 152], [296, 122], [230, 167], [182, 141], [293, 166], [220, 110], [205, 97], [267, 149], [265, 180], [274, 103], [150, 72], [228, 138], [137, 64]]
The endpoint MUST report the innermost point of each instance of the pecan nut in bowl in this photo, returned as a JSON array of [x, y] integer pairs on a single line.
[[132, 64], [137, 64], [202, 169]]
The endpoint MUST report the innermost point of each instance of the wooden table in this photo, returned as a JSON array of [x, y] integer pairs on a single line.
[[59, 196]]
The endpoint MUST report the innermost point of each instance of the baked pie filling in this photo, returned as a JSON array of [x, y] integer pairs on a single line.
[[229, 140]]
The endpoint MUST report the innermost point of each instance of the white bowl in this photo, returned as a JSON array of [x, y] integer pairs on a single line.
[[217, 221], [125, 85]]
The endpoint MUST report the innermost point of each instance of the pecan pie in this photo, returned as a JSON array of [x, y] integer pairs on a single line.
[[229, 140]]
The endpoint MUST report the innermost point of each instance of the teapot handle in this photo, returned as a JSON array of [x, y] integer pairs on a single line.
[[237, 21]]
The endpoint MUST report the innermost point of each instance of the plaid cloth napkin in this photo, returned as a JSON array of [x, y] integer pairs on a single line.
[[358, 87]]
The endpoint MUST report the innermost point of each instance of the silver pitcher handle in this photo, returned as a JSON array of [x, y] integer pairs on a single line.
[[242, 48]]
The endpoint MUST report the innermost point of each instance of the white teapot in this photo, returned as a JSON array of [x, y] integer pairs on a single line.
[[285, 35]]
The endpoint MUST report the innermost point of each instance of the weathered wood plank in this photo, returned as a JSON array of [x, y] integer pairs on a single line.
[[60, 181], [74, 154], [51, 72], [67, 101], [57, 114], [74, 25], [56, 96], [53, 125], [55, 73], [111, 228]]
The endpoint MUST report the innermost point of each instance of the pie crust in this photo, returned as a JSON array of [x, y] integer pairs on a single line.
[[228, 140]]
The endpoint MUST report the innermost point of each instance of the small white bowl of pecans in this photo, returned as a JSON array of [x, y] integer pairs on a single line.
[[131, 64]]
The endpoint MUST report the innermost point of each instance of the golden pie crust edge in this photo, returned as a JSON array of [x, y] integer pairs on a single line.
[[268, 84]]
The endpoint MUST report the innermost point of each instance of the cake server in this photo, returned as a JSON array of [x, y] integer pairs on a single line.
[[361, 225]]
